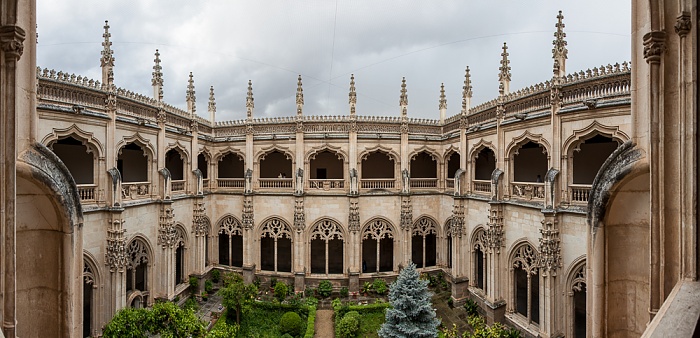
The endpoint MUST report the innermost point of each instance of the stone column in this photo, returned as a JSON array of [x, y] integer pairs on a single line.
[[167, 239], [115, 260], [549, 264]]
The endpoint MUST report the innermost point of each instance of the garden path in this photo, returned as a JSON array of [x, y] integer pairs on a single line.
[[324, 324]]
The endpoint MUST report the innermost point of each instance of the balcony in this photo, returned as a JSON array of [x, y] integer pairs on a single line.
[[527, 190], [579, 193], [423, 183], [326, 184], [177, 186], [230, 183], [481, 186], [136, 190], [275, 183], [87, 193], [377, 183]]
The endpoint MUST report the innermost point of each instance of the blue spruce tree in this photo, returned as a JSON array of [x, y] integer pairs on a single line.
[[412, 313]]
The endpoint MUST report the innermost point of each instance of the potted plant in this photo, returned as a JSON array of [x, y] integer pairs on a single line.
[[366, 288]]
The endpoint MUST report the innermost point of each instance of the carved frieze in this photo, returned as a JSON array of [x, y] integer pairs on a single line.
[[247, 218], [299, 215], [167, 235], [354, 216], [12, 41], [406, 212], [115, 251], [654, 46], [200, 226], [683, 24], [550, 251], [494, 232]]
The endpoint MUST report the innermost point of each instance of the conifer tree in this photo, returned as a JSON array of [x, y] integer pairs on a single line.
[[412, 313]]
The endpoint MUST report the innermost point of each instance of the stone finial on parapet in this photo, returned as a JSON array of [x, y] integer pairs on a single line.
[[190, 97], [300, 97], [559, 52], [443, 103], [249, 101], [403, 99], [212, 105], [352, 96], [157, 80], [466, 92], [107, 59], [504, 74]]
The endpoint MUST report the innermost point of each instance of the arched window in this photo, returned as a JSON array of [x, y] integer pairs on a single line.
[[326, 170], [530, 163], [377, 164], [423, 170], [89, 297], [453, 162], [78, 159], [577, 296], [180, 256], [175, 162], [449, 235], [203, 165], [276, 164], [132, 163], [137, 271], [424, 242], [276, 246], [377, 246], [230, 242], [590, 157], [479, 259], [484, 164], [526, 283], [326, 241]]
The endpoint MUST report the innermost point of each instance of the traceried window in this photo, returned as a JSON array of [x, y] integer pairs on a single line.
[[230, 242], [377, 247], [479, 259], [276, 246], [137, 270], [424, 242], [526, 283], [326, 242]]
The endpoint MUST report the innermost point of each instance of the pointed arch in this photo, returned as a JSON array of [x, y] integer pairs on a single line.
[[180, 148], [92, 281], [276, 239], [424, 232], [136, 138], [430, 151], [478, 237], [579, 136], [451, 149], [260, 155], [229, 225], [524, 138], [88, 139], [377, 238], [478, 249], [476, 149], [425, 223], [182, 238], [204, 150], [311, 154], [393, 155], [228, 150], [139, 250], [326, 239], [229, 230], [524, 280]]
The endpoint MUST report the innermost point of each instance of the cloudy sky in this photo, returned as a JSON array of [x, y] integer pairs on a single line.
[[226, 43]]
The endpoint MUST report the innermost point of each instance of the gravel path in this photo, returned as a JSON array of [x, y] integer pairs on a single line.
[[324, 324]]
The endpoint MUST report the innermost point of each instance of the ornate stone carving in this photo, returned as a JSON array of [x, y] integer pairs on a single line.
[[550, 251], [157, 79], [654, 45], [248, 212], [167, 235], [137, 254], [377, 230], [494, 232], [200, 225], [190, 95], [12, 42], [326, 230], [424, 226], [249, 101], [504, 69], [526, 258], [456, 222], [88, 274], [683, 24], [579, 281], [559, 52], [115, 251], [299, 215], [107, 58], [230, 226], [354, 216], [403, 99], [406, 213], [466, 92], [443, 100], [276, 229], [352, 96]]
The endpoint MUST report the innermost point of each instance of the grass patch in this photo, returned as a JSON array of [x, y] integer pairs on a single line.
[[261, 320]]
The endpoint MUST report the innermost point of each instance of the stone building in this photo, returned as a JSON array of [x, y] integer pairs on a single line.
[[568, 208]]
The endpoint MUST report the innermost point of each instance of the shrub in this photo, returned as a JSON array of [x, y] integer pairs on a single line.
[[287, 335], [281, 291], [215, 275], [194, 284], [366, 287], [223, 330], [190, 303], [309, 292], [311, 301], [471, 307], [273, 282], [344, 292], [256, 282], [336, 303], [348, 325], [232, 277], [310, 322], [325, 288], [291, 323], [379, 286], [208, 286]]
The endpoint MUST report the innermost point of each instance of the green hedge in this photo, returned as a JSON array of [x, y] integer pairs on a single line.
[[361, 309], [311, 321]]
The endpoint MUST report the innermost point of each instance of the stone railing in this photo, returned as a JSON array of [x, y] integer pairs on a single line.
[[177, 186], [377, 183], [423, 183], [87, 192], [205, 183], [136, 190], [326, 184], [527, 190], [450, 183], [275, 183], [481, 186], [235, 183], [579, 193]]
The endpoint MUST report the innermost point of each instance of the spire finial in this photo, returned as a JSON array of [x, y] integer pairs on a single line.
[[466, 91], [559, 52], [249, 101], [107, 53], [157, 81], [352, 95], [190, 97], [443, 99], [212, 100], [403, 100], [300, 92], [504, 75]]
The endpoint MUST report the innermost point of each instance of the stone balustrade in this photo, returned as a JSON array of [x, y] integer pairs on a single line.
[[377, 183], [579, 193], [275, 183], [230, 183], [136, 190], [326, 184], [481, 186], [527, 190], [423, 183]]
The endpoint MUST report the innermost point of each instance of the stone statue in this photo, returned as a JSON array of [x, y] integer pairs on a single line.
[[353, 182], [249, 181], [300, 181], [406, 181]]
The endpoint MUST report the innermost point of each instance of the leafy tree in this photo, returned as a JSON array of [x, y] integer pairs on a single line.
[[236, 295], [412, 314], [223, 330], [325, 288], [291, 323], [281, 291]]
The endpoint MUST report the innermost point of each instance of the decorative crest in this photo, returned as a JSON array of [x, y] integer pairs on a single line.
[[559, 52], [443, 99], [190, 97], [352, 95], [466, 91], [504, 69], [107, 53]]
